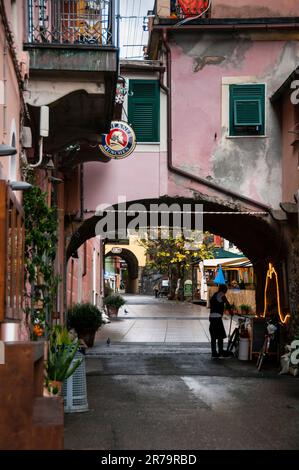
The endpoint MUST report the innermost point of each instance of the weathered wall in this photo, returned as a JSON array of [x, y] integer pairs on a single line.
[[289, 126], [84, 275], [241, 8], [10, 99], [135, 177], [203, 66], [254, 8]]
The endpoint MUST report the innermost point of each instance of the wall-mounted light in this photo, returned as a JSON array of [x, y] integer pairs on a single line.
[[19, 185], [7, 150]]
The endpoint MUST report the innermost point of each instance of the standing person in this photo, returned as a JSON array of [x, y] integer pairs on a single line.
[[217, 331], [156, 290]]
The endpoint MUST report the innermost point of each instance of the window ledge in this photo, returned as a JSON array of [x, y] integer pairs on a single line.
[[246, 136]]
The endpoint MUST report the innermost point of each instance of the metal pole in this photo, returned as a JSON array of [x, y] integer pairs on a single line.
[[118, 23], [112, 21]]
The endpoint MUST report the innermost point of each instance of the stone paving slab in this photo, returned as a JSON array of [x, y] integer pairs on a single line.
[[153, 395], [166, 407]]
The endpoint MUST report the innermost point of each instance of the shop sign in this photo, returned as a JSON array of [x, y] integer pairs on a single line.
[[115, 250], [120, 142]]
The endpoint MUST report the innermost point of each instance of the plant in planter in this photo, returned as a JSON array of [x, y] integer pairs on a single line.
[[60, 364], [86, 319], [234, 309], [245, 309], [113, 303]]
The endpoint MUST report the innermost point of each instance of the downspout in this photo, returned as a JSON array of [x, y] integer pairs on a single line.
[[81, 191], [170, 165]]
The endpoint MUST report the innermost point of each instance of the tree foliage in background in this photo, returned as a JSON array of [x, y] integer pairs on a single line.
[[174, 256], [40, 254]]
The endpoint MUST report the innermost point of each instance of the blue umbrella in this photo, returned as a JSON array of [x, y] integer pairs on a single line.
[[219, 278]]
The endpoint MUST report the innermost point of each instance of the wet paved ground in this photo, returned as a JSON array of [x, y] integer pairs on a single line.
[[145, 319], [173, 396]]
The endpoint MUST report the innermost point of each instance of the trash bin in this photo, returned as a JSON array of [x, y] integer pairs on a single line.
[[74, 389], [244, 349]]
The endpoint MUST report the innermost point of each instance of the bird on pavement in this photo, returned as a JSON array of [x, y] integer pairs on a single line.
[[108, 341]]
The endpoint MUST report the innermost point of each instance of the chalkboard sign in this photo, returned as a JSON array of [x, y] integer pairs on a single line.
[[259, 330]]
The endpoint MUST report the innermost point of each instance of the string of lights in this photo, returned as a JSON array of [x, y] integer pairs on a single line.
[[133, 211]]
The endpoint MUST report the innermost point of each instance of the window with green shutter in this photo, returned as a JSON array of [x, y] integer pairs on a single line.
[[247, 110], [144, 109]]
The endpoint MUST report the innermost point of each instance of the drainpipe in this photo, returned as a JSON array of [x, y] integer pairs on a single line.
[[81, 191], [178, 171]]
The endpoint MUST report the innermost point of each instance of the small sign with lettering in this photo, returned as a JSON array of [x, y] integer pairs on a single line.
[[120, 142]]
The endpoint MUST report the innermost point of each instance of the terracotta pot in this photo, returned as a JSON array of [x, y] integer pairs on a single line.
[[87, 335], [112, 311]]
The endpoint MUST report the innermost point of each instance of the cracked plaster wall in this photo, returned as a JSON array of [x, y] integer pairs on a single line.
[[203, 66]]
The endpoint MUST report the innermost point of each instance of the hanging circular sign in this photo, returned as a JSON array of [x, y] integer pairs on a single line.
[[120, 142]]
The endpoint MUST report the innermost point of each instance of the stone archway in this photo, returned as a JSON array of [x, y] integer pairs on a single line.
[[256, 233], [132, 262]]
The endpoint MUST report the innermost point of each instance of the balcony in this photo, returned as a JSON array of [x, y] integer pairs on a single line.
[[71, 22], [73, 70]]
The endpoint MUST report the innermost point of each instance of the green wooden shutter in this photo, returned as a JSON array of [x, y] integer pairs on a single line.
[[247, 109], [144, 109]]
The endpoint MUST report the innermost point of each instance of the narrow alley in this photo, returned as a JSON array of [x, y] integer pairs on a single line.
[[156, 387]]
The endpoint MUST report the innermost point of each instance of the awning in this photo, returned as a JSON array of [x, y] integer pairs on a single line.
[[227, 262]]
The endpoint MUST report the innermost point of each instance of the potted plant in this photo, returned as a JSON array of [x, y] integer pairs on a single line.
[[234, 309], [86, 319], [245, 309], [60, 362], [113, 303]]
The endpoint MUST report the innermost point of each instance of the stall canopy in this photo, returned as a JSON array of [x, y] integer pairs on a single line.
[[227, 262]]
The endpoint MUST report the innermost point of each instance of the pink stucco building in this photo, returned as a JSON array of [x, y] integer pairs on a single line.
[[224, 137]]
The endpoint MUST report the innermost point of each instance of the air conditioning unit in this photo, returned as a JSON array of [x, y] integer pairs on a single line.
[[26, 138]]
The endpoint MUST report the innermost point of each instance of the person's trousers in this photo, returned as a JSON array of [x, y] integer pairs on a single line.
[[217, 333], [214, 346]]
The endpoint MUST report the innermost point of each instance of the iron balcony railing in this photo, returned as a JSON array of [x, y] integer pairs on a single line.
[[71, 22]]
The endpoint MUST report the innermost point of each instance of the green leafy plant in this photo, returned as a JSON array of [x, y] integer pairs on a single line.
[[174, 256], [40, 254], [245, 308], [62, 350], [114, 300], [84, 316]]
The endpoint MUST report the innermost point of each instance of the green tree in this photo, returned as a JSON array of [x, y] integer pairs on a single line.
[[174, 257]]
